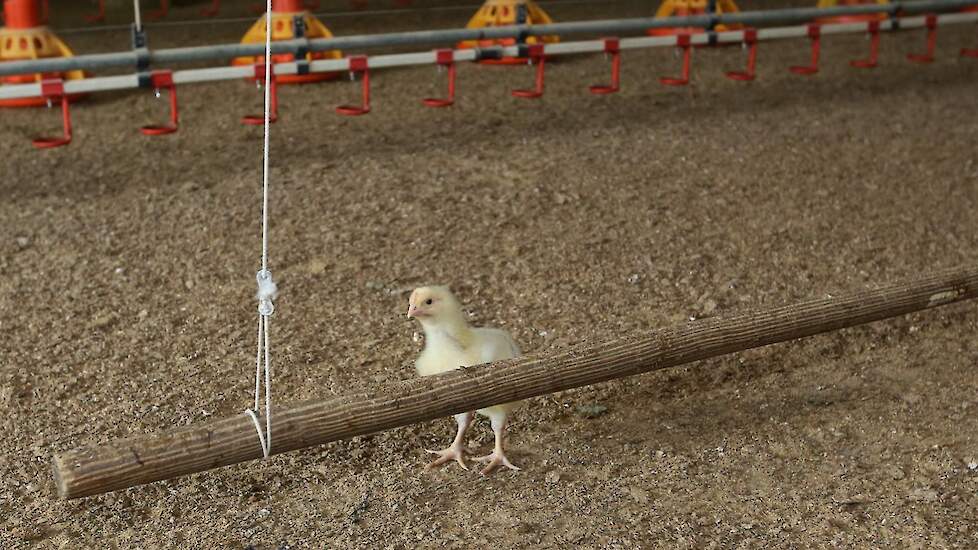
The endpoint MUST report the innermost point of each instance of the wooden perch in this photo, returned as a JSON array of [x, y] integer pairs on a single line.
[[130, 462]]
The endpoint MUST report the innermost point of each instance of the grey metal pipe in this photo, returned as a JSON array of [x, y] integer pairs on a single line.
[[451, 36]]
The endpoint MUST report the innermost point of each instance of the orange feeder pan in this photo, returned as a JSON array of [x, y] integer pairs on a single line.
[[499, 13], [851, 18], [284, 13], [25, 37], [864, 18], [505, 42], [689, 8]]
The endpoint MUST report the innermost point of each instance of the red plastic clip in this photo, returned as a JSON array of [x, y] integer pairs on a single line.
[[815, 34], [257, 120], [99, 16], [535, 55], [682, 41], [750, 42], [931, 42], [444, 58], [160, 13], [163, 80], [212, 10], [873, 27], [612, 47], [54, 90], [358, 64]]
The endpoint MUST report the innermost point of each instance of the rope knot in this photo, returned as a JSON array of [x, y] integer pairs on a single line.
[[267, 291]]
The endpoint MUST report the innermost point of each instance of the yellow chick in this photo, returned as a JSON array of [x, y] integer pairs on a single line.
[[451, 343]]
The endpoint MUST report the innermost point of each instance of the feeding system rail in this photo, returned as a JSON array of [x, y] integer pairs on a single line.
[[927, 15], [899, 18]]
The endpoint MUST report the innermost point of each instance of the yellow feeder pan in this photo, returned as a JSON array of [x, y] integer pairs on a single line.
[[685, 8], [500, 13], [25, 37], [851, 18], [284, 13]]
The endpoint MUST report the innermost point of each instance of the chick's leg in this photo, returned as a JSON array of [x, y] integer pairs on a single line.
[[454, 452], [497, 458]]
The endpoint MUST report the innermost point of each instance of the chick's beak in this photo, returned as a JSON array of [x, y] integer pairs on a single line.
[[412, 311]]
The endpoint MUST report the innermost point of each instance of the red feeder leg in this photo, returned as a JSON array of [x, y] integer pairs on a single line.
[[259, 120], [682, 41], [815, 34], [969, 52], [160, 13], [54, 90], [874, 47], [750, 41], [931, 43], [99, 16], [164, 80], [535, 55], [612, 47], [358, 64], [444, 58], [212, 10]]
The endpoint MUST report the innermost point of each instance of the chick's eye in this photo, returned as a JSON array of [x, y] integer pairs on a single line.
[[428, 301]]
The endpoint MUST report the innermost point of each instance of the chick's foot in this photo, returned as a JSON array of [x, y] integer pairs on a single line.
[[494, 461], [447, 455]]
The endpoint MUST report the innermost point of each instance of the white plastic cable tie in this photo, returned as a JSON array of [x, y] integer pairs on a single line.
[[267, 292]]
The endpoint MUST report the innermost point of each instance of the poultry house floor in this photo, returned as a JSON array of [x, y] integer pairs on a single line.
[[127, 297]]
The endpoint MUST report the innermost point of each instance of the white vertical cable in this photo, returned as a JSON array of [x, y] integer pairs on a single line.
[[261, 337], [138, 16], [268, 79], [266, 287]]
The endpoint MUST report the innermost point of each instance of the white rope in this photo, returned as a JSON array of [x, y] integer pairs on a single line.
[[138, 16], [264, 437], [261, 336], [268, 79], [267, 289]]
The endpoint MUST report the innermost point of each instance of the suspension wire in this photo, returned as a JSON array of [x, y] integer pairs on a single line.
[[267, 289], [137, 15]]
